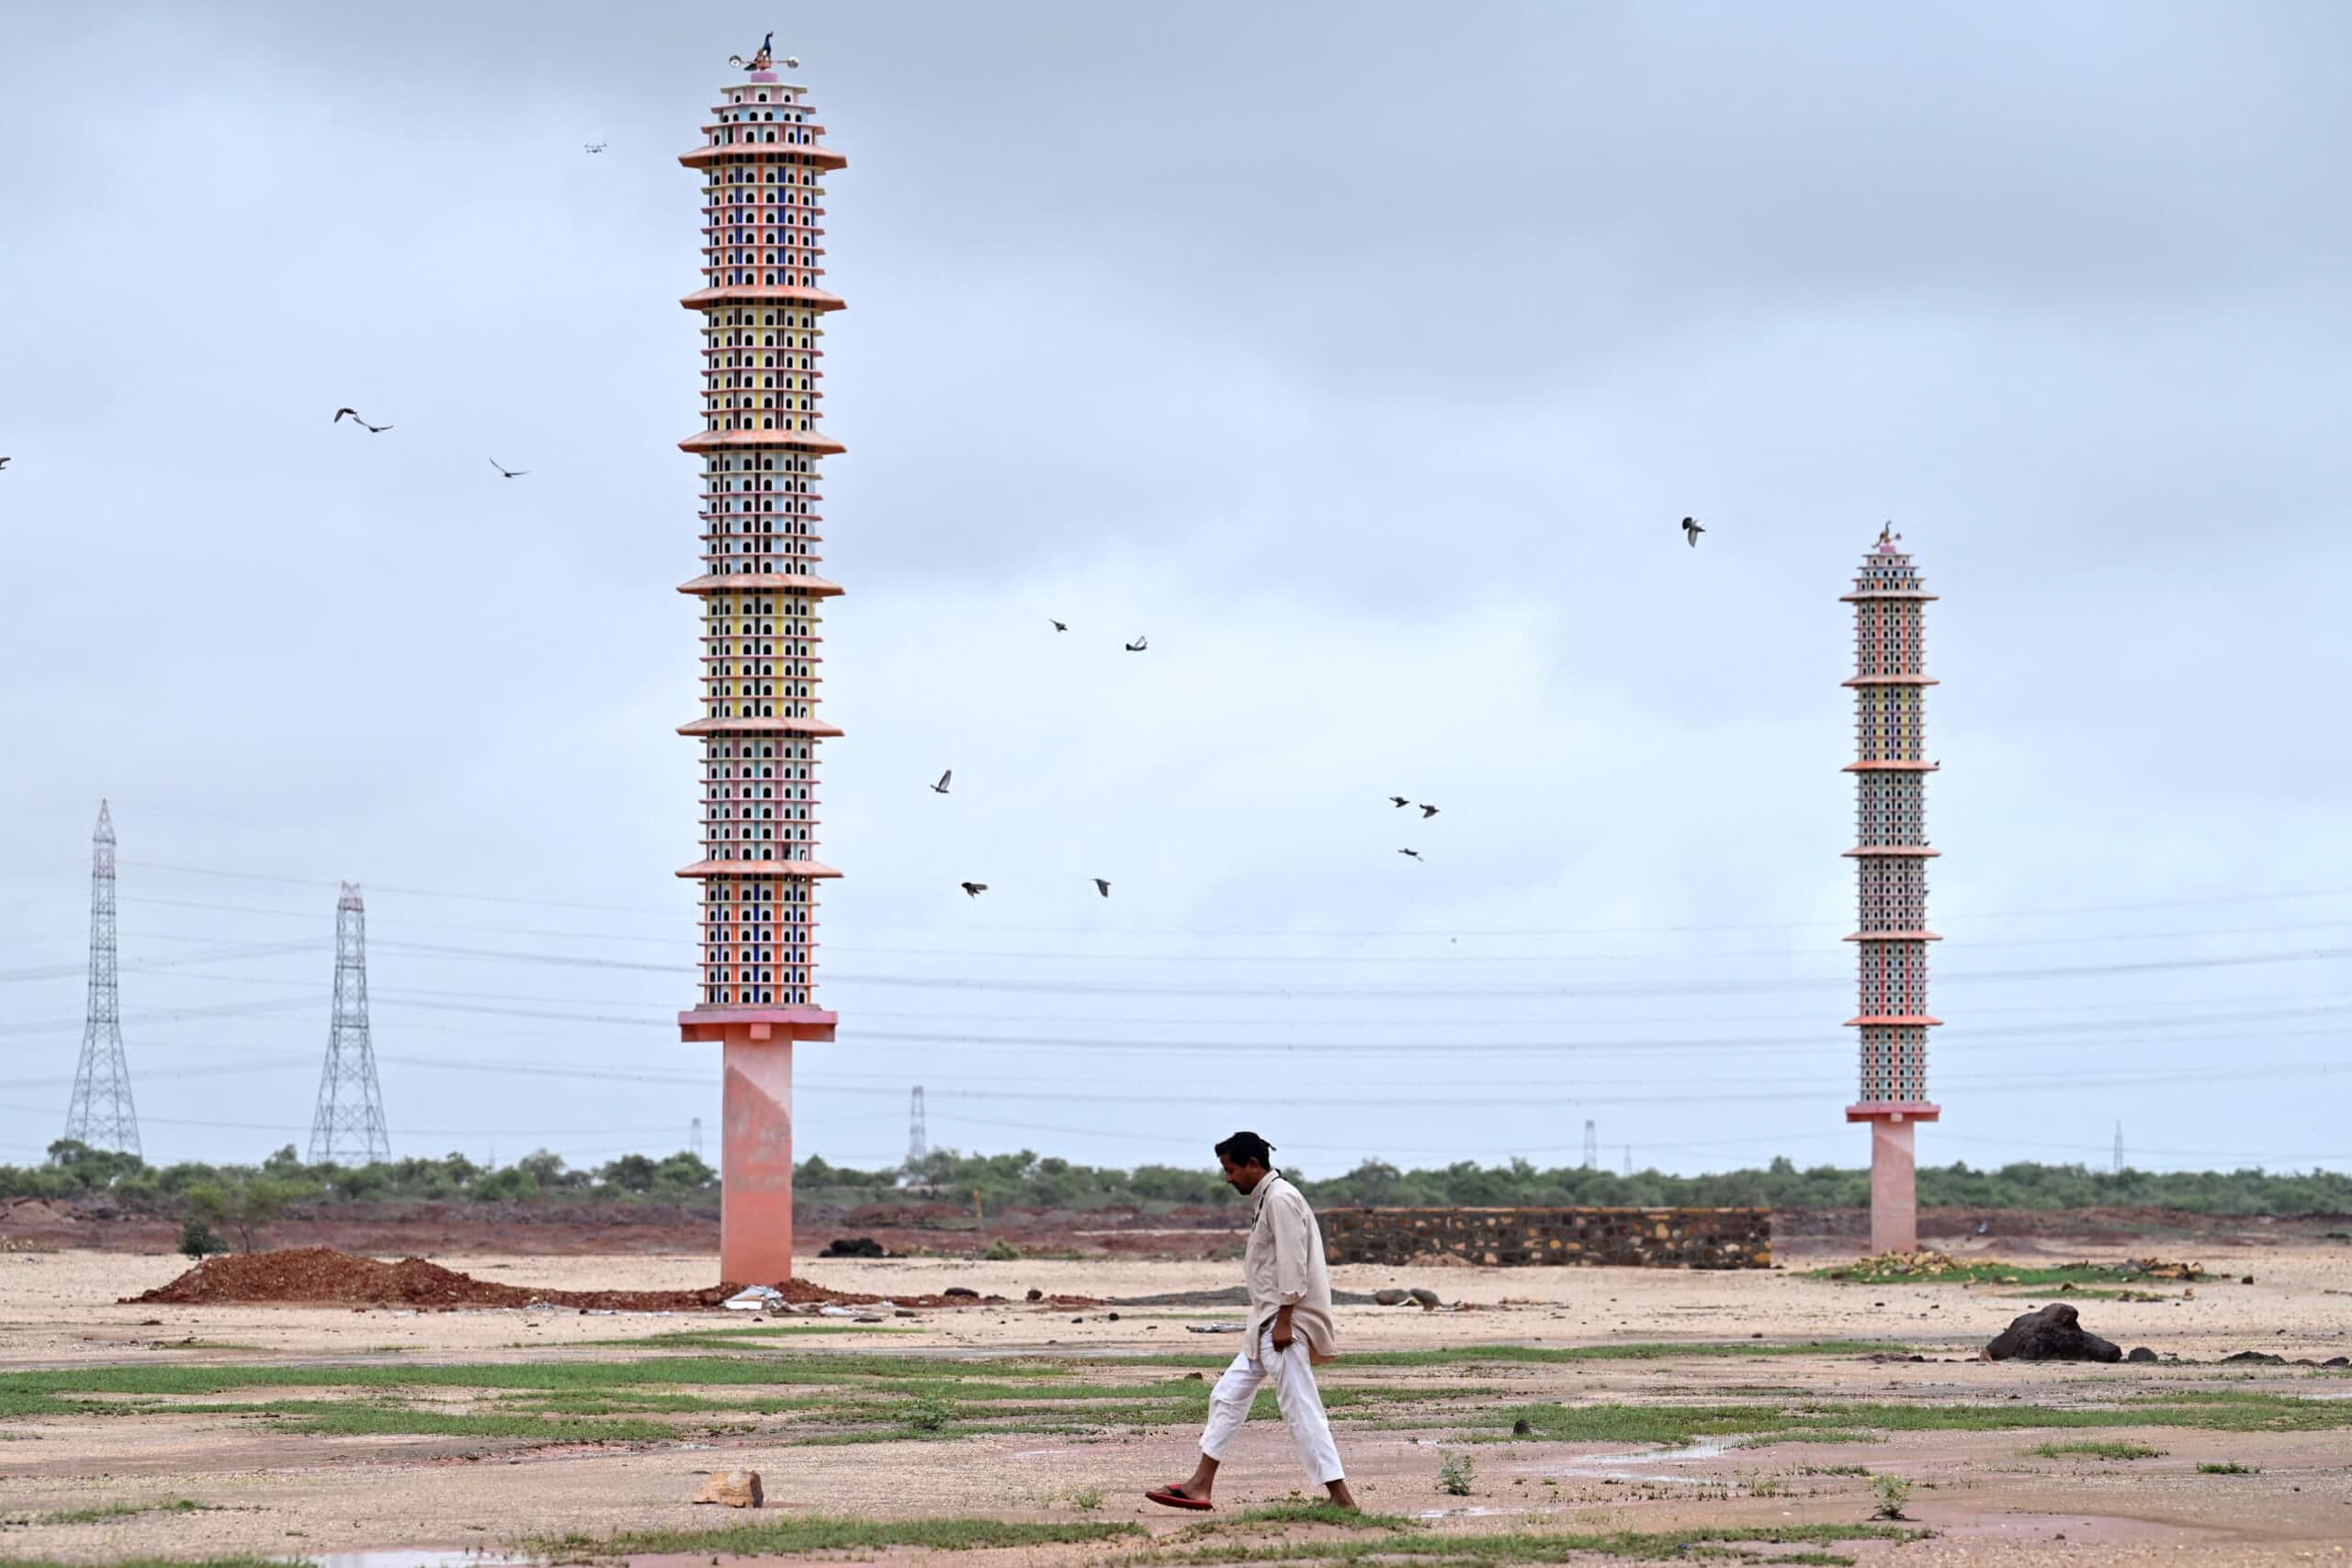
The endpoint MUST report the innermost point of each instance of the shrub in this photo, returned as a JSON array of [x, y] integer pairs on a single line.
[[1453, 1476], [1891, 1492], [930, 1413], [200, 1240], [1087, 1499], [1001, 1251]]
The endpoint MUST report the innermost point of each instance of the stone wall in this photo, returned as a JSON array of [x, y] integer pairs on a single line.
[[1650, 1239]]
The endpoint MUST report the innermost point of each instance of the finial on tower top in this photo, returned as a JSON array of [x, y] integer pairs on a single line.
[[759, 61]]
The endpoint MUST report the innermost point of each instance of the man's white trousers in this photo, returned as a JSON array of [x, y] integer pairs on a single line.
[[1292, 1375]]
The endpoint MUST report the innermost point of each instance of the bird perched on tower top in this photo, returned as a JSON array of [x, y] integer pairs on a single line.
[[1691, 530]]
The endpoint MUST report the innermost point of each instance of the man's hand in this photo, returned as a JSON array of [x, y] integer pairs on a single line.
[[1281, 1333]]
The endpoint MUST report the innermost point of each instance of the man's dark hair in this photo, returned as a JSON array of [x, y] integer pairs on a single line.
[[1247, 1148]]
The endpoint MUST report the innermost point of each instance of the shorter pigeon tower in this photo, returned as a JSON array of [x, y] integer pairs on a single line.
[[1891, 856]]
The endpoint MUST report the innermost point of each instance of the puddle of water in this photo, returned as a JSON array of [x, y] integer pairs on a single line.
[[414, 1557], [1628, 1467], [1476, 1513]]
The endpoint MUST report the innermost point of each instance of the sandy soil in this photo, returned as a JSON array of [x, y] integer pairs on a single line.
[[1988, 1503]]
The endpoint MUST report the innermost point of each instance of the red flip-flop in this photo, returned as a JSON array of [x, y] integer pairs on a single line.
[[1177, 1497]]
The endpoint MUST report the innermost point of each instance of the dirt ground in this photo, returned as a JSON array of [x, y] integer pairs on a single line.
[[1983, 1497]]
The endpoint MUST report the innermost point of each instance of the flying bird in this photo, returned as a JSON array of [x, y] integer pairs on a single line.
[[506, 472], [973, 889], [356, 418], [594, 147], [1691, 530], [3, 462], [1138, 645], [1103, 888], [1415, 854], [1399, 802], [1060, 625], [1427, 812], [940, 787]]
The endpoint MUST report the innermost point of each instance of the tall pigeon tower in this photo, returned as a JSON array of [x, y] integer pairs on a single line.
[[102, 1115], [1891, 856], [348, 1126], [762, 165]]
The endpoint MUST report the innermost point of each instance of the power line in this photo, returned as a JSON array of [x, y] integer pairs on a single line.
[[2197, 900]]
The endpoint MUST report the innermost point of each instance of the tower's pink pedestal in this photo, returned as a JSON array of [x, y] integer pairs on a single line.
[[1894, 1185], [755, 1139]]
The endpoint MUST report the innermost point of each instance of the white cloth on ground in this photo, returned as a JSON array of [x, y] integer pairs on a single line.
[[1294, 1392], [1284, 1268]]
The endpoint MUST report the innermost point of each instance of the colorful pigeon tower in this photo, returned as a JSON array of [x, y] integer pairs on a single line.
[[763, 326], [1891, 854]]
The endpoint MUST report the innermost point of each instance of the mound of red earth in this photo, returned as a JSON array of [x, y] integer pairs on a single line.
[[321, 1276]]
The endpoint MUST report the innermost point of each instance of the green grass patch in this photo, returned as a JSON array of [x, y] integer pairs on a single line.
[[2228, 1467], [105, 1511], [1541, 1355], [1534, 1546], [1840, 1421], [2097, 1447], [1987, 1271], [816, 1533]]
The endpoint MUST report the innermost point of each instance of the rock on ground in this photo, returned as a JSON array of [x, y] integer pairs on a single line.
[[2053, 1334], [733, 1489]]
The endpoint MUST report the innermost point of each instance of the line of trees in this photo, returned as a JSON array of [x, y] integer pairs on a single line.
[[231, 1196]]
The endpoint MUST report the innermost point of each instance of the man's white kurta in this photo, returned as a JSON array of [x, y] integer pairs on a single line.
[[1285, 1269]]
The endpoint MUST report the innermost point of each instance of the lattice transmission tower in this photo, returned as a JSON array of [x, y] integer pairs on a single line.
[[102, 1115], [348, 1127], [1591, 1145], [918, 1136]]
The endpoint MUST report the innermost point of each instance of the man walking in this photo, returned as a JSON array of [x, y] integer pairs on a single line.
[[1289, 1329]]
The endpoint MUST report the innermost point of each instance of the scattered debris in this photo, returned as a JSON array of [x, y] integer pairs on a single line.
[[759, 1298], [2052, 1333], [1215, 1327], [733, 1489]]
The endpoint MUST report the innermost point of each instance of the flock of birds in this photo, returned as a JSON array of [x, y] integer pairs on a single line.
[[356, 418], [1102, 886]]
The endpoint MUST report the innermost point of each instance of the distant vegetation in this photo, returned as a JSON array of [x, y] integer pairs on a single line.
[[234, 1198]]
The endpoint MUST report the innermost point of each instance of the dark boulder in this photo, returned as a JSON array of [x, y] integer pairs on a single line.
[[2255, 1357], [2141, 1353], [855, 1246], [2053, 1334]]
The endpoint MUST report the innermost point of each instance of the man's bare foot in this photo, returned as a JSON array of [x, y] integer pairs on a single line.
[[1342, 1498]]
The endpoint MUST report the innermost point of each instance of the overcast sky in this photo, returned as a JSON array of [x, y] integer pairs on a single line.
[[1362, 356]]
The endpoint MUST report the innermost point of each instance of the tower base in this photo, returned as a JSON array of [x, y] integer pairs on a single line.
[[1894, 1185], [755, 1137]]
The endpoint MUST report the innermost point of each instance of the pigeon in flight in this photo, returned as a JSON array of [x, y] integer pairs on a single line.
[[940, 787], [1691, 530], [506, 472], [594, 147], [1415, 854], [1103, 888], [3, 462], [1427, 812], [370, 429], [1138, 645], [973, 889], [1399, 802], [1060, 625]]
